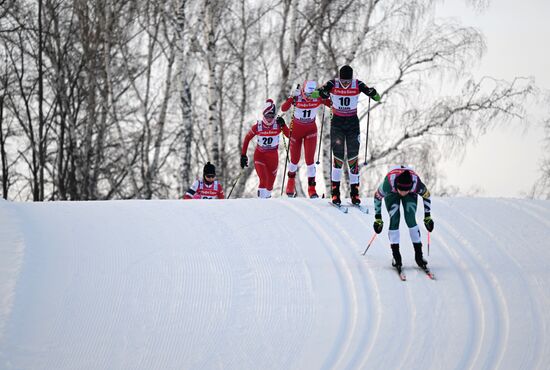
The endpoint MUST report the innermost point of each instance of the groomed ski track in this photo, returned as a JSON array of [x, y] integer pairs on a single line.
[[270, 284]]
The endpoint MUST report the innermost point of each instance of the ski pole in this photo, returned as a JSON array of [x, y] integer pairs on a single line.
[[367, 139], [429, 233], [371, 240], [286, 160], [235, 183], [288, 148], [321, 136]]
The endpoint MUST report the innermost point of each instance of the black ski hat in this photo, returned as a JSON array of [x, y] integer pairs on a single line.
[[404, 181], [209, 169], [346, 73]]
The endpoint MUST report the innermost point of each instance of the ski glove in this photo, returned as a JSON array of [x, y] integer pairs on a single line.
[[281, 121], [428, 222], [378, 224], [244, 161], [373, 94]]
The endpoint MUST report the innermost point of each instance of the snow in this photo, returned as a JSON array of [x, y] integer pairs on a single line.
[[270, 284]]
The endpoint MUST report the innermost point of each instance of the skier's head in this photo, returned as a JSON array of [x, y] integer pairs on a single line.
[[269, 112], [209, 172], [309, 87], [346, 73], [404, 182]]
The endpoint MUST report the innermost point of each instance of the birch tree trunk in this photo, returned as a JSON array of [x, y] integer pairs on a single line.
[[187, 122], [212, 96]]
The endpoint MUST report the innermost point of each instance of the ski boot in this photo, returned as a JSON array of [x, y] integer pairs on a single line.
[[291, 184], [335, 191], [354, 194], [420, 261], [311, 188], [397, 263]]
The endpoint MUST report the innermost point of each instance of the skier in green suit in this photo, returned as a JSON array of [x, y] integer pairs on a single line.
[[403, 186]]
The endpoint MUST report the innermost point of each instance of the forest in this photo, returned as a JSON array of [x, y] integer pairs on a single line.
[[129, 99]]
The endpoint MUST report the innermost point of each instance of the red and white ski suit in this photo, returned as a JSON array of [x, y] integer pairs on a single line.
[[304, 129], [266, 155], [201, 190]]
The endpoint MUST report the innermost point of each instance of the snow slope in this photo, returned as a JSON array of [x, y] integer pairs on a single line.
[[270, 284]]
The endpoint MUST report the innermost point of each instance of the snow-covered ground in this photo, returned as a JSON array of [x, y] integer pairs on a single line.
[[270, 284]]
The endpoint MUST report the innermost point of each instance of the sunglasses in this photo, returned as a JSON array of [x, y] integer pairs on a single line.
[[209, 176]]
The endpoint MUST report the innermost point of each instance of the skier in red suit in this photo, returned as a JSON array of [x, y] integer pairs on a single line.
[[266, 155], [304, 130], [208, 187]]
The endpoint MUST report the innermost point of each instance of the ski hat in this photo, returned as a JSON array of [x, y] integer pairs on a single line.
[[309, 87], [209, 169], [346, 72], [404, 181], [269, 108]]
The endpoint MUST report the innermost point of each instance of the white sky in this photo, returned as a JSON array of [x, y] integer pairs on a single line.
[[505, 163]]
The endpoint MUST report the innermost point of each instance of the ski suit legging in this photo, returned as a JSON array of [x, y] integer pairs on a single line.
[[393, 202], [266, 163], [306, 134], [345, 136]]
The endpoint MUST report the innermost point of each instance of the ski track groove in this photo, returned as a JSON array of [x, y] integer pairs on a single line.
[[228, 309], [373, 310], [354, 262], [533, 205], [299, 312], [368, 337], [470, 288], [536, 347], [534, 212], [407, 335], [497, 310], [346, 281], [267, 309]]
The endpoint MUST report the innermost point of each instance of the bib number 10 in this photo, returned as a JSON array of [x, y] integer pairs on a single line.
[[344, 101]]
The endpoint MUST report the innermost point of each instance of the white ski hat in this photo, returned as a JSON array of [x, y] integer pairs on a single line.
[[309, 87]]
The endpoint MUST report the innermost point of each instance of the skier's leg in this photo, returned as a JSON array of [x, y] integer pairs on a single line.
[[337, 141], [409, 205], [352, 146], [295, 153], [261, 170], [392, 205], [310, 143], [397, 262], [272, 164]]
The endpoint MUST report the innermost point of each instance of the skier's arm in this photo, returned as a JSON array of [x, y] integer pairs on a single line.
[[327, 102], [324, 91], [284, 127], [191, 191], [383, 190], [287, 104], [220, 192], [369, 91], [249, 137], [426, 198]]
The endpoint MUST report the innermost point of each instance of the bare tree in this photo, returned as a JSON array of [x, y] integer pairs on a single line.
[[129, 99], [541, 187]]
